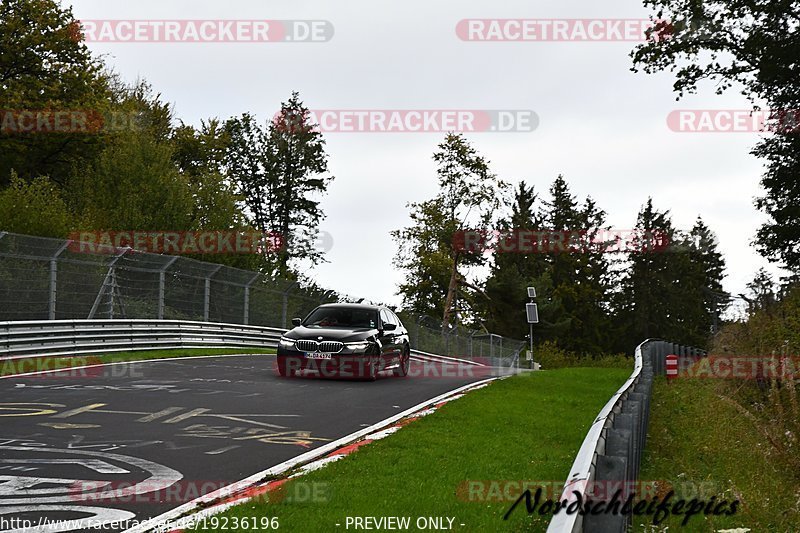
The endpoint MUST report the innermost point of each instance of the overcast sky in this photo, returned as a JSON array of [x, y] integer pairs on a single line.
[[601, 126]]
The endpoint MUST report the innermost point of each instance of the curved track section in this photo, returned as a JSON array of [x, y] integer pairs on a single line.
[[125, 443]]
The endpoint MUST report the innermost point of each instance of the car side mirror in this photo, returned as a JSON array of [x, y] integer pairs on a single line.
[[297, 321], [389, 327]]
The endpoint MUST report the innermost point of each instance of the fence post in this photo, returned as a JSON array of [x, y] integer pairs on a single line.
[[286, 303], [162, 278], [207, 295], [246, 314], [51, 308], [415, 339]]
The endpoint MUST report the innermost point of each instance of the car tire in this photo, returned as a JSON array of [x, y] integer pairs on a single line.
[[405, 363], [283, 368]]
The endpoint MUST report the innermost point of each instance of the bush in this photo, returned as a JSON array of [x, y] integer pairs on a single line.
[[551, 357]]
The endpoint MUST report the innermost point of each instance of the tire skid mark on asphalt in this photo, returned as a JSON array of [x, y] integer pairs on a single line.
[[249, 428]]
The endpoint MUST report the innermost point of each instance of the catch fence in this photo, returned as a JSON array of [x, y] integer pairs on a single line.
[[51, 279]]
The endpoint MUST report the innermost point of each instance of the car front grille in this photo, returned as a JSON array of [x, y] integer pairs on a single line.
[[324, 346], [331, 347]]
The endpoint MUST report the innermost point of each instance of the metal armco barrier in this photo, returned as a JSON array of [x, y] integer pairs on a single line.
[[76, 337], [611, 453], [48, 338]]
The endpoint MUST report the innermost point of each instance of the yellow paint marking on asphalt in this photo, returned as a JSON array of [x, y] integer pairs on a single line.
[[28, 409], [79, 410]]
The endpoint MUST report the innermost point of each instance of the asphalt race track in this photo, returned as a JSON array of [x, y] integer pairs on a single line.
[[136, 440]]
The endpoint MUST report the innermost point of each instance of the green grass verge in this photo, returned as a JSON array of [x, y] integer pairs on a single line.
[[34, 364], [700, 443], [528, 427]]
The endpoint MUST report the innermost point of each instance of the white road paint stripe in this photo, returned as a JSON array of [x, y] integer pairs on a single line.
[[97, 465], [383, 433]]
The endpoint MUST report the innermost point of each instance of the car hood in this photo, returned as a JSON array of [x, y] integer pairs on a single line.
[[331, 334]]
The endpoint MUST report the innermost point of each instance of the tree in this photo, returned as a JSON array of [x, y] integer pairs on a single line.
[[645, 307], [779, 238], [199, 154], [672, 285], [45, 66], [469, 194], [753, 44], [762, 294], [280, 174], [425, 254], [133, 185], [580, 278], [512, 273], [34, 208], [200, 157], [706, 257]]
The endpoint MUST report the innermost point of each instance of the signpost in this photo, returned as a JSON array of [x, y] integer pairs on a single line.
[[532, 310]]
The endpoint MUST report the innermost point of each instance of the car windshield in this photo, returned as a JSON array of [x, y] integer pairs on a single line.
[[342, 317]]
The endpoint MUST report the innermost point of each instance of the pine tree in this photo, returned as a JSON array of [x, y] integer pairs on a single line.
[[644, 302], [580, 276], [512, 273], [708, 259], [762, 293], [672, 287]]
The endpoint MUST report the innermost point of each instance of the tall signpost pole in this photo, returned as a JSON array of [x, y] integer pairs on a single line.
[[532, 310]]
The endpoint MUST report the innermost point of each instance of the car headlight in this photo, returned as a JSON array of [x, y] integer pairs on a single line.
[[357, 347], [286, 342]]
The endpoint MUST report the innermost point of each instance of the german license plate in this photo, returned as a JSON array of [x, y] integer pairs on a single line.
[[318, 355]]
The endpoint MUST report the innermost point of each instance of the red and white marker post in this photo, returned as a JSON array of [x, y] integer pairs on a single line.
[[672, 367]]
